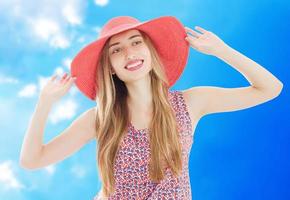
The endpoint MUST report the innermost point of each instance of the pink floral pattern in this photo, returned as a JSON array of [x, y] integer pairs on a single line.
[[131, 166]]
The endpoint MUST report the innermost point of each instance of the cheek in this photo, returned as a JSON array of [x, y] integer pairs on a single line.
[[148, 57], [116, 62]]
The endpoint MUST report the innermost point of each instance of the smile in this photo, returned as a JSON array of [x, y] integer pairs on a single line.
[[135, 66]]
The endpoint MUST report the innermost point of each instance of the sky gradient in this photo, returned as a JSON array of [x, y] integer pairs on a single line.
[[235, 155]]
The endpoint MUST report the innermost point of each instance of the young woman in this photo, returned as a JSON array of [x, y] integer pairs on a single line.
[[144, 131]]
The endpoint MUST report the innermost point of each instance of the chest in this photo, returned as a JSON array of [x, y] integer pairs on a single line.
[[140, 118]]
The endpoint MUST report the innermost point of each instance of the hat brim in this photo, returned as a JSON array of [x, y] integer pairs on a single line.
[[168, 36]]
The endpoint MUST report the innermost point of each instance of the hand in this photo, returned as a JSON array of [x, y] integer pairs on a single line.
[[206, 42], [55, 89]]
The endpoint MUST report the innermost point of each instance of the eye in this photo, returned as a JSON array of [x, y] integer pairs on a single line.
[[137, 42], [115, 50]]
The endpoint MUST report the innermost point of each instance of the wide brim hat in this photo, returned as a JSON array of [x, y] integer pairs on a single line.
[[168, 37]]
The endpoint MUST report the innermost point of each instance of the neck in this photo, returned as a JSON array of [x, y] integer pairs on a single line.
[[140, 94]]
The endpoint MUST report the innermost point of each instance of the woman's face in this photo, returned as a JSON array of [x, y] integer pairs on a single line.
[[127, 50]]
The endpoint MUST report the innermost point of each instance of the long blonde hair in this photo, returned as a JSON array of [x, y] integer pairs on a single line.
[[112, 120]]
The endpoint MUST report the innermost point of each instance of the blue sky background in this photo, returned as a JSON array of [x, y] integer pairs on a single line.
[[236, 155]]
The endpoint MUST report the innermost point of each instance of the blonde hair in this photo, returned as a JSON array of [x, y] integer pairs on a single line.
[[112, 120]]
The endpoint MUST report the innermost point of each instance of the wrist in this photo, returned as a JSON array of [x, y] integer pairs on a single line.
[[223, 51], [43, 100]]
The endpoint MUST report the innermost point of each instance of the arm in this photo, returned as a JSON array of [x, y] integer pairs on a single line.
[[34, 154], [264, 85], [32, 144]]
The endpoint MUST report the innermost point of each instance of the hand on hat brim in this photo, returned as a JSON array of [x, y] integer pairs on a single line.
[[205, 42]]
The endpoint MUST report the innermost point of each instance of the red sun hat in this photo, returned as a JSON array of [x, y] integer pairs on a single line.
[[168, 37]]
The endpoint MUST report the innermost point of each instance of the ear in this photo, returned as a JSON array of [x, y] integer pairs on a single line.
[[112, 71]]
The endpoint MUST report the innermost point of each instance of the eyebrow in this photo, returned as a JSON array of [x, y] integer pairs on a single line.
[[133, 36]]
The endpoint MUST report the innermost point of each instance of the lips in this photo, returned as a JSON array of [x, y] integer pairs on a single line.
[[132, 62]]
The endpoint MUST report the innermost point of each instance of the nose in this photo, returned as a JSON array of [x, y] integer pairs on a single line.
[[129, 53]]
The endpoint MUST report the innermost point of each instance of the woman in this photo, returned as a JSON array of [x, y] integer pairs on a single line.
[[143, 130]]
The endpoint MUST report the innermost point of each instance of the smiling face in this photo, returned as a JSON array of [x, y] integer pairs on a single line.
[[129, 55]]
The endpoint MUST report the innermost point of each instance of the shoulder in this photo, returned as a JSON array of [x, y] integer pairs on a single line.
[[89, 114], [87, 122], [194, 101]]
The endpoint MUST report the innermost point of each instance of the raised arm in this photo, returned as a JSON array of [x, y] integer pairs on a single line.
[[35, 154], [209, 99]]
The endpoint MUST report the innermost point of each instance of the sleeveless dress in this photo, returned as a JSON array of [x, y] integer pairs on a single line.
[[131, 169]]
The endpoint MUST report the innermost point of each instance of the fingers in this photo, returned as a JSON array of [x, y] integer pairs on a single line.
[[194, 33], [69, 80], [200, 29], [191, 40], [63, 78], [53, 77]]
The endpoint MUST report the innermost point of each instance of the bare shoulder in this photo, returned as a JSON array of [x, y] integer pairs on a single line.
[[90, 113], [86, 121], [195, 101]]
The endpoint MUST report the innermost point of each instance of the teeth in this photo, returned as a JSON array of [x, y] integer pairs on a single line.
[[135, 64]]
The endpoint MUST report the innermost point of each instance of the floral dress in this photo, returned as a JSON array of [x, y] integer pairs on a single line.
[[132, 162]]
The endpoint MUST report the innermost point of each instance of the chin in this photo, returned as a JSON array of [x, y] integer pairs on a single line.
[[139, 76]]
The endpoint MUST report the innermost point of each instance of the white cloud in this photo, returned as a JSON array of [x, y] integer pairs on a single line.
[[67, 62], [50, 169], [65, 109], [41, 21], [78, 171], [45, 28], [32, 89], [49, 30], [71, 14], [6, 79], [101, 2], [8, 179], [59, 71], [59, 41], [28, 91], [42, 81]]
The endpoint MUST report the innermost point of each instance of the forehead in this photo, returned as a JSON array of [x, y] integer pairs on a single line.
[[123, 35]]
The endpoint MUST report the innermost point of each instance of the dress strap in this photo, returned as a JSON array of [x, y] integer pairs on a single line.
[[181, 110]]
